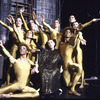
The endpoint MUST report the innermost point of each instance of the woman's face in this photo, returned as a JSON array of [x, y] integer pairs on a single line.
[[29, 34], [56, 24], [32, 23], [19, 22], [75, 25], [51, 44]]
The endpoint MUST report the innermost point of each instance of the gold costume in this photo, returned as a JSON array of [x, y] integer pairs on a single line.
[[14, 47], [22, 41], [45, 36], [54, 35], [35, 34], [66, 50], [22, 72], [79, 52]]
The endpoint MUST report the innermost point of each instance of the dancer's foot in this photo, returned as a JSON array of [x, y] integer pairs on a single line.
[[74, 92], [86, 83], [5, 96], [81, 86]]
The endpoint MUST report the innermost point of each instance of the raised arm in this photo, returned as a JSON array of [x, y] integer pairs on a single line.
[[89, 23], [45, 24], [12, 21], [12, 60], [34, 18], [5, 25], [39, 26], [25, 25]]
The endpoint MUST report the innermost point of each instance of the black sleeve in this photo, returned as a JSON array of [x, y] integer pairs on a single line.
[[38, 45]]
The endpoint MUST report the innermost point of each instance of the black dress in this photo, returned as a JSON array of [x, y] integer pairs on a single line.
[[49, 68]]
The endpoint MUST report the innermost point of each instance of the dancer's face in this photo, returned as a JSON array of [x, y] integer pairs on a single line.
[[45, 28], [75, 25], [19, 22], [23, 50], [32, 23], [29, 34], [67, 33], [51, 44], [56, 24], [72, 19]]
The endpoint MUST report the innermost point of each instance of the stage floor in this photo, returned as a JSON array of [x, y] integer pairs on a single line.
[[92, 91]]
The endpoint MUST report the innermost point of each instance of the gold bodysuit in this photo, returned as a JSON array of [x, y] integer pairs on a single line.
[[44, 36], [22, 72], [54, 35], [66, 50], [35, 34]]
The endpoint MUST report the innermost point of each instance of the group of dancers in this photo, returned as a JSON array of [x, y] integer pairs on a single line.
[[57, 53]]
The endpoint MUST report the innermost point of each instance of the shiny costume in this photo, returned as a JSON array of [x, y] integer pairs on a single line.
[[49, 68], [14, 47], [44, 35], [16, 42], [66, 50], [22, 41], [78, 50], [35, 34], [22, 72], [54, 35]]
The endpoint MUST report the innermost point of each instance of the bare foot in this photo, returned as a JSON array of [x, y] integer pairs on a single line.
[[86, 83], [81, 86], [4, 84], [75, 93], [5, 96]]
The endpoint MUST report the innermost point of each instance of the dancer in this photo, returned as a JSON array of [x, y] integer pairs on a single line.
[[14, 47], [78, 54], [31, 27], [28, 39], [66, 50], [22, 67], [54, 33], [44, 34]]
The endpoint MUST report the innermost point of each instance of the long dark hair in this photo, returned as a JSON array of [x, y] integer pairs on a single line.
[[46, 45]]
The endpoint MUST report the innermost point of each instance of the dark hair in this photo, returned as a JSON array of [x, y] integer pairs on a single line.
[[46, 45], [67, 28], [17, 18], [29, 25], [27, 32], [80, 27], [57, 20], [24, 45]]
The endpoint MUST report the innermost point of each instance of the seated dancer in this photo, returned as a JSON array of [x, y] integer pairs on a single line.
[[44, 34], [14, 47], [66, 50], [78, 54], [49, 61], [22, 67], [54, 33]]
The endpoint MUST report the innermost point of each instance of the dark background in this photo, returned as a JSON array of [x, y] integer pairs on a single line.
[[84, 11]]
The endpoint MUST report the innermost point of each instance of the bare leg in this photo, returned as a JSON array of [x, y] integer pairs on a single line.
[[76, 78], [10, 88], [80, 62], [26, 92], [66, 76]]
